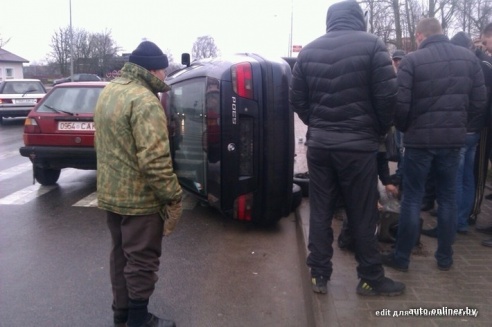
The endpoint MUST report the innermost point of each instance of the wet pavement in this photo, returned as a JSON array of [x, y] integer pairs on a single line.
[[432, 297]]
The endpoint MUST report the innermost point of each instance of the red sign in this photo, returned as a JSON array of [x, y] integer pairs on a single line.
[[296, 48]]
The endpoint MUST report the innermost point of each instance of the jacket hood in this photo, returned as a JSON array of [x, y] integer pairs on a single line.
[[463, 40], [345, 15]]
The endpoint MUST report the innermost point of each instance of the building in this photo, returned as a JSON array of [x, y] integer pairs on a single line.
[[11, 65]]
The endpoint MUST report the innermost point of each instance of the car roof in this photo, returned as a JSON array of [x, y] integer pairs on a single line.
[[84, 83]]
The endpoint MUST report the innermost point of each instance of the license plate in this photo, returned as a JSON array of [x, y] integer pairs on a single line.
[[33, 101], [76, 126]]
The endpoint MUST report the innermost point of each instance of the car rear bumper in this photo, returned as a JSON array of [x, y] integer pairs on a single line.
[[57, 157], [15, 111]]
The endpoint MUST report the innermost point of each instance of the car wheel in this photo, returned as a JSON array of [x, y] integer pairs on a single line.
[[296, 196], [46, 176]]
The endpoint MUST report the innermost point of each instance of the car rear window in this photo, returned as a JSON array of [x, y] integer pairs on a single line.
[[75, 100], [21, 87]]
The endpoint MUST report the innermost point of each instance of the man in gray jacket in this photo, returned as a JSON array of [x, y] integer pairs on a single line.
[[344, 89]]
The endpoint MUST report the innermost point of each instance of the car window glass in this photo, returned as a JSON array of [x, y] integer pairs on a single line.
[[23, 87], [74, 99], [186, 101]]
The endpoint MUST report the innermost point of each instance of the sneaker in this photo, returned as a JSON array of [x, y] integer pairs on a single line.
[[319, 284], [389, 260], [153, 321], [386, 287]]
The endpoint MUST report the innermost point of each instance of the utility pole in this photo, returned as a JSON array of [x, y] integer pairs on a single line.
[[291, 28], [71, 42]]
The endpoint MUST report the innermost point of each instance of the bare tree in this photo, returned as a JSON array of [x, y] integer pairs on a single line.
[[92, 52], [398, 31], [3, 42], [204, 47], [60, 49], [473, 15]]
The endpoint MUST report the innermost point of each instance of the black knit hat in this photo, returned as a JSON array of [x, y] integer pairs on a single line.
[[149, 56]]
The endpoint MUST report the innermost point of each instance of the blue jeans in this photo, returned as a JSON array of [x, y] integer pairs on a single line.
[[418, 164], [465, 180]]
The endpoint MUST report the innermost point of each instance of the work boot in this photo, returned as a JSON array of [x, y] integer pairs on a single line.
[[120, 316], [385, 286], [319, 284]]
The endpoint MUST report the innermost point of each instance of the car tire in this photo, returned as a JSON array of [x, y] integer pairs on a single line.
[[46, 176], [296, 196]]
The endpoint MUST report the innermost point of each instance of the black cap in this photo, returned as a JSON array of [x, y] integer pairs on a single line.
[[149, 56], [398, 54]]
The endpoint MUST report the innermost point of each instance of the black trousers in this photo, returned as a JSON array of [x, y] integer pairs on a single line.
[[354, 175], [134, 258]]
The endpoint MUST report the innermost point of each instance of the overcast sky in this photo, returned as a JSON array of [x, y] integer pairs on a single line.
[[261, 26]]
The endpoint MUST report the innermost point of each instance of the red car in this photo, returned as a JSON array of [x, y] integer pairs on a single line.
[[59, 131]]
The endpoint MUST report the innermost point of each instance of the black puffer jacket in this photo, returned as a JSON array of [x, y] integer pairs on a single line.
[[441, 92], [344, 86]]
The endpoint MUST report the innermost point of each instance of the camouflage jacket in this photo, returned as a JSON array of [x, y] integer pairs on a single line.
[[134, 168]]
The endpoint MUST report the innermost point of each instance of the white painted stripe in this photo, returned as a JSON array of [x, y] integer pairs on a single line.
[[34, 191], [27, 194], [16, 170], [88, 201], [13, 153]]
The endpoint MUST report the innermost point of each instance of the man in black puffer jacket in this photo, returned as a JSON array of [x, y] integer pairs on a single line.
[[441, 94], [344, 88]]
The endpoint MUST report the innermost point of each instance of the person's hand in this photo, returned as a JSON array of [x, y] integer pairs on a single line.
[[391, 189], [173, 213]]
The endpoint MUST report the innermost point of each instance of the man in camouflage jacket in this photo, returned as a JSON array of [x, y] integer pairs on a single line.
[[135, 181]]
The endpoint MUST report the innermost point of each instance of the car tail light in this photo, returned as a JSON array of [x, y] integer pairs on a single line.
[[5, 101], [31, 126], [242, 80], [243, 206]]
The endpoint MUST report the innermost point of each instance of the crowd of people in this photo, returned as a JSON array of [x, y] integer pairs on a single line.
[[351, 92]]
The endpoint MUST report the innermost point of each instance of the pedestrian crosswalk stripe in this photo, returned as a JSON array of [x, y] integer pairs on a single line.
[[29, 193], [88, 201], [14, 171], [8, 154], [26, 194]]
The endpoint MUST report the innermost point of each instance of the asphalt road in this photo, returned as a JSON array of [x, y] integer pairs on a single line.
[[54, 248]]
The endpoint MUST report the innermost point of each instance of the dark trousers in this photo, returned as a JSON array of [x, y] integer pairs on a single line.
[[418, 163], [354, 174], [134, 258]]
